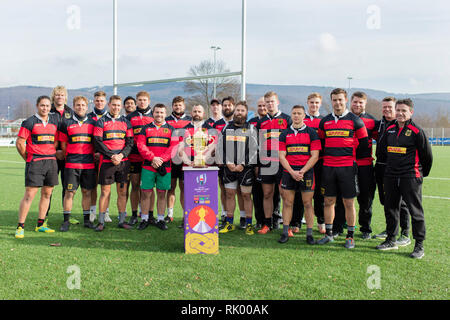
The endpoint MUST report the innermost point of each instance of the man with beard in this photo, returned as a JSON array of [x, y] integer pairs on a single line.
[[138, 119], [129, 104], [239, 146], [178, 119]]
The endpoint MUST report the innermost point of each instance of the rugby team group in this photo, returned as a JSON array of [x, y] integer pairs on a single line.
[[301, 158]]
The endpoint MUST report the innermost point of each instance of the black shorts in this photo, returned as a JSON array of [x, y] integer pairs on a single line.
[[270, 179], [306, 185], [86, 178], [344, 179], [135, 167], [177, 171], [41, 173], [244, 178], [110, 173]]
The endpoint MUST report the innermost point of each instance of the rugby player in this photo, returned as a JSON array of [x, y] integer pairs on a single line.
[[36, 144], [129, 104], [216, 112]]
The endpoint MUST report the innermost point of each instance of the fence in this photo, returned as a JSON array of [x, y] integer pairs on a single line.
[[438, 136]]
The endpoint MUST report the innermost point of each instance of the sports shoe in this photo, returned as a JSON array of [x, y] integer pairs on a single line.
[[74, 221], [349, 243], [107, 218], [310, 240], [249, 230], [381, 235], [45, 224], [321, 227], [283, 238], [303, 220], [325, 240], [44, 229], [181, 226], [133, 221], [228, 228], [387, 245], [258, 225], [264, 230], [242, 224], [403, 241], [89, 225], [124, 225], [92, 216], [290, 233], [161, 224], [275, 223], [100, 227], [65, 226], [168, 219], [295, 229], [151, 221], [19, 233], [336, 234], [418, 252], [366, 236], [144, 224]]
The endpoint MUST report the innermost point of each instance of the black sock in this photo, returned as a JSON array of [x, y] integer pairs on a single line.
[[86, 214], [150, 213], [134, 213], [268, 222], [66, 216], [22, 225], [329, 229], [40, 222], [350, 231]]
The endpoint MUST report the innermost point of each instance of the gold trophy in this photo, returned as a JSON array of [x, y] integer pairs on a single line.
[[200, 145]]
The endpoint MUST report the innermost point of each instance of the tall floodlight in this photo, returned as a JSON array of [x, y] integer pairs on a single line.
[[349, 79], [243, 48], [215, 49], [115, 47]]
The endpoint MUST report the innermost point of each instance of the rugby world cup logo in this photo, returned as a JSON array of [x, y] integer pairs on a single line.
[[201, 179]]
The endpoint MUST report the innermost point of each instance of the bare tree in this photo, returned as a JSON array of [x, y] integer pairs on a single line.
[[24, 110]]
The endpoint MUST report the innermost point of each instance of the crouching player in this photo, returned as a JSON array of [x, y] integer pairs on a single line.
[[299, 152], [76, 136]]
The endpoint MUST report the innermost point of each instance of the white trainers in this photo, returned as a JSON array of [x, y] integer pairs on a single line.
[[107, 218], [92, 216]]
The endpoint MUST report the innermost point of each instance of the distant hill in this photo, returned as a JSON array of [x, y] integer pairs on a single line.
[[429, 103]]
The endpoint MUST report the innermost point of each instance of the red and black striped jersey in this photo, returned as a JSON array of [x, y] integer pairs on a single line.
[[270, 128], [313, 121], [178, 122], [188, 141], [364, 153], [254, 121], [298, 144], [340, 136], [97, 114], [220, 124], [138, 120], [154, 141], [41, 137], [408, 151], [211, 121], [79, 136], [113, 136]]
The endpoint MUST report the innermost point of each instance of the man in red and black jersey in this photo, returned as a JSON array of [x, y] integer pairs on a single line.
[[113, 138], [270, 170], [156, 142], [299, 151], [364, 160], [76, 136], [409, 159], [138, 119], [36, 143], [340, 132], [216, 112], [178, 119], [129, 104]]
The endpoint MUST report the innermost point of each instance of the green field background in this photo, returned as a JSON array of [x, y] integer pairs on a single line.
[[151, 264]]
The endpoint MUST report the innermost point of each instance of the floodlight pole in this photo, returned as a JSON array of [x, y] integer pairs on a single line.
[[243, 48], [215, 48], [114, 46]]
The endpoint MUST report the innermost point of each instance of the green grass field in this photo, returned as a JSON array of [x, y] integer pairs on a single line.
[[151, 264]]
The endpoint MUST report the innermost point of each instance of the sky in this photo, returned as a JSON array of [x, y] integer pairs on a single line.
[[397, 46]]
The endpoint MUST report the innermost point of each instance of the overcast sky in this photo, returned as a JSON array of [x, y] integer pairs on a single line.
[[400, 46]]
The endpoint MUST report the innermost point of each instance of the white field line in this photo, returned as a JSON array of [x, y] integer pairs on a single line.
[[8, 161], [437, 178], [435, 197]]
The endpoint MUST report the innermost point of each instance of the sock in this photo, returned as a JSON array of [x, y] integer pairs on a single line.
[[224, 213], [329, 229], [93, 209], [40, 222], [134, 213], [86, 215], [160, 217], [309, 232], [150, 213], [268, 222], [22, 225], [285, 229], [101, 217], [122, 216], [144, 217], [242, 214], [66, 215], [350, 231], [170, 212], [248, 221], [230, 220]]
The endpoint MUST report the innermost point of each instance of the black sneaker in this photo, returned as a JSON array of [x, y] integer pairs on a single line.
[[275, 223], [88, 224], [124, 225], [418, 252], [161, 224], [242, 224], [144, 224], [181, 226], [152, 221], [387, 245], [133, 221], [325, 240], [284, 238], [65, 226], [310, 240], [168, 219], [366, 236], [382, 235], [100, 227]]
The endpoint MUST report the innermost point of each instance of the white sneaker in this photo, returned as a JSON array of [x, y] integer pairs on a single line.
[[92, 216], [107, 218]]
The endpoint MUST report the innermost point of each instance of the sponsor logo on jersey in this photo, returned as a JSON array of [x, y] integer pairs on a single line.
[[46, 138], [81, 139], [297, 149], [158, 140], [236, 138], [115, 135], [338, 133], [400, 150], [272, 134]]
